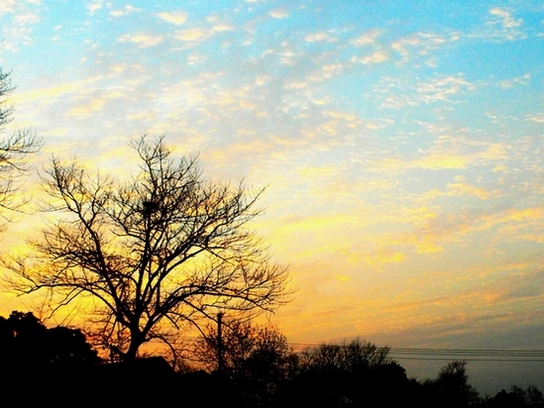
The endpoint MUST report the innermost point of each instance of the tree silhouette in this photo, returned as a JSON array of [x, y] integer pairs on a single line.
[[163, 249], [354, 373], [256, 359], [15, 146], [26, 342], [451, 388]]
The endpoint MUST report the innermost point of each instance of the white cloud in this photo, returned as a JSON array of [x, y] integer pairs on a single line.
[[279, 13], [127, 10], [441, 89], [538, 118], [368, 38], [176, 17], [522, 80], [420, 44], [374, 58], [505, 18], [320, 37], [504, 25], [93, 7], [142, 40], [6, 6], [192, 34], [18, 29], [399, 93]]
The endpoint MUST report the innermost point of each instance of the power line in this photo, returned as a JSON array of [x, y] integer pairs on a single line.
[[446, 354], [495, 355]]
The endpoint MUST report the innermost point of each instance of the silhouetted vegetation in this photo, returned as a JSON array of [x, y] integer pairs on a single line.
[[26, 343], [352, 373], [257, 369], [256, 361]]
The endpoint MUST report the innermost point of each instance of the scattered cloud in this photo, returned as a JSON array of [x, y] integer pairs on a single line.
[[320, 37], [278, 13], [223, 27], [142, 40], [20, 26], [441, 89], [399, 93], [523, 80], [176, 17], [539, 118], [463, 189], [373, 58], [193, 35], [369, 37], [94, 7], [504, 25], [123, 12], [505, 18], [420, 44]]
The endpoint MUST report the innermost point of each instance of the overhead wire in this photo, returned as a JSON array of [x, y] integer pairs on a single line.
[[448, 354], [445, 354]]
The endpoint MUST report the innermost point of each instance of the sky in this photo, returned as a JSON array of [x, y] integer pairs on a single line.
[[400, 144]]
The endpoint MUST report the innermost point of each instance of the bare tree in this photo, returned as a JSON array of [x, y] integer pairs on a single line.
[[166, 248], [242, 346], [15, 146], [256, 359]]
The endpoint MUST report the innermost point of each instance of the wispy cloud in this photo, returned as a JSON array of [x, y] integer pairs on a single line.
[[369, 37], [128, 9], [504, 25], [523, 80], [399, 93], [538, 118], [375, 57], [54, 91], [420, 44], [505, 18]]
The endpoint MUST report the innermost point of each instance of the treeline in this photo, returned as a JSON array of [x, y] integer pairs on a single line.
[[244, 366], [264, 371]]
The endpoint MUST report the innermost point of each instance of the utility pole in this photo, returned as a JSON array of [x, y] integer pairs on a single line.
[[220, 362]]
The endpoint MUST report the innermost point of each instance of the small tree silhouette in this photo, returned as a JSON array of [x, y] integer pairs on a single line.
[[256, 359], [451, 388]]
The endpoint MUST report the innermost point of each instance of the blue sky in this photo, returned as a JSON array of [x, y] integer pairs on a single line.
[[401, 143]]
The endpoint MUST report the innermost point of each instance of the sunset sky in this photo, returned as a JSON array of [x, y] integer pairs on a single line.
[[401, 144]]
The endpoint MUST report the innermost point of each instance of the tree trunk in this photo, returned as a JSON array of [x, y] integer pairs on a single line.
[[136, 340]]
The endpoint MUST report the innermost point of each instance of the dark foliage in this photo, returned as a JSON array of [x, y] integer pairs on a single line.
[[256, 360], [26, 343], [353, 373], [451, 388]]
